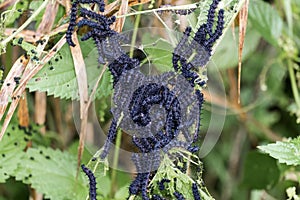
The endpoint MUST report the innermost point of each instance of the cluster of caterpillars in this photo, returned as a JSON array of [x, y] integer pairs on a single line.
[[108, 43]]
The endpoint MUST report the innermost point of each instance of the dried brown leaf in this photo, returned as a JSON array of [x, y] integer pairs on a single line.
[[118, 25], [9, 83]]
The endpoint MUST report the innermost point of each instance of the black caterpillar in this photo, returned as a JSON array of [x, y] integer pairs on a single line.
[[150, 91], [92, 182]]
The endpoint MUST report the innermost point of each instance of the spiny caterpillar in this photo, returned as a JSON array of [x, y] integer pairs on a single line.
[[92, 182]]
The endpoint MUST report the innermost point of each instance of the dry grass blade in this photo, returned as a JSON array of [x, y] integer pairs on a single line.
[[28, 35], [6, 4], [81, 77], [9, 84], [118, 26], [64, 3], [243, 18], [137, 2], [48, 18], [112, 8]]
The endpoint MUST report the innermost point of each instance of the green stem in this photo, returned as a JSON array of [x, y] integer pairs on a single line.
[[134, 35], [293, 82], [115, 163], [23, 26]]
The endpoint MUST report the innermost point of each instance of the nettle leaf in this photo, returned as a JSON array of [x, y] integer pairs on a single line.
[[169, 171], [202, 17], [266, 21], [58, 76], [287, 152], [53, 173], [122, 192], [11, 151], [230, 7], [260, 171], [159, 52]]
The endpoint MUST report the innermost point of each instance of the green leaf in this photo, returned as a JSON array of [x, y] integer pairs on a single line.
[[16, 11], [122, 192], [52, 173], [202, 17], [103, 185], [287, 152], [159, 52], [11, 151], [58, 76], [266, 21], [260, 171], [226, 55], [179, 180]]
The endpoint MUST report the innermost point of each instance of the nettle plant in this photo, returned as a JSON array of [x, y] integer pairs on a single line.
[[160, 112]]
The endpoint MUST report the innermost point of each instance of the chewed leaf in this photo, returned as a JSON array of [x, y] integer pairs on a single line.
[[287, 152], [178, 179], [52, 173], [58, 77]]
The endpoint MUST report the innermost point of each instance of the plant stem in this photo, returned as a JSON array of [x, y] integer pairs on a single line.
[[115, 163], [23, 26], [293, 82], [134, 34]]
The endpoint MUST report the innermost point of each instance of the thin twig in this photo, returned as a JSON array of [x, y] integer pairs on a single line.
[[82, 83]]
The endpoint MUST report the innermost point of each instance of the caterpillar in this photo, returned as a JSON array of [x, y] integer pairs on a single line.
[[178, 195], [161, 183], [196, 192], [92, 182]]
